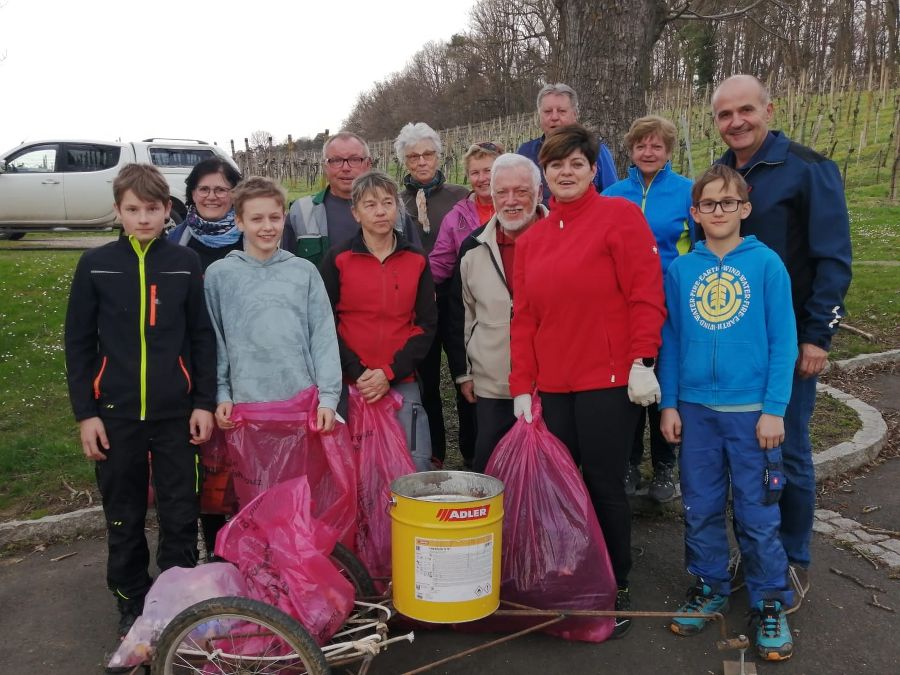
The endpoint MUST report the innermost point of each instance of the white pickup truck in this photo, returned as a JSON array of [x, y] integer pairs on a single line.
[[68, 183]]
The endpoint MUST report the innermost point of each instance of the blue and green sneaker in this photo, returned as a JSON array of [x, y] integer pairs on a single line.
[[773, 635], [702, 600]]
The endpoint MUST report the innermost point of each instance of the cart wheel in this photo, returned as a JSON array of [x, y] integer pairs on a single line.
[[232, 636], [354, 570]]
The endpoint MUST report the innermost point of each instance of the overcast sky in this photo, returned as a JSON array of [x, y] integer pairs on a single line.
[[210, 69]]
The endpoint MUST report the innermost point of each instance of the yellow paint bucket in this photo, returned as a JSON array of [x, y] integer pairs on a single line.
[[445, 537]]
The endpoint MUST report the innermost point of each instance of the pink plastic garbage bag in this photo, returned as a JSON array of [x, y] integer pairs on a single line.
[[382, 456], [217, 490], [282, 552], [554, 555], [175, 590], [274, 441]]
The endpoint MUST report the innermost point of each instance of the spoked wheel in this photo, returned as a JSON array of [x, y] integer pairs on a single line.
[[353, 569], [236, 636]]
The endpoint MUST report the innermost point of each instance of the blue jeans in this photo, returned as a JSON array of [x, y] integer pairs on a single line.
[[798, 503]]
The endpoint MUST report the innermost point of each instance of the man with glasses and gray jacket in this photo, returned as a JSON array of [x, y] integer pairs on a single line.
[[317, 222]]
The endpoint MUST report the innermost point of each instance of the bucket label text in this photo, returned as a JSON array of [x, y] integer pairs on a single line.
[[474, 513]]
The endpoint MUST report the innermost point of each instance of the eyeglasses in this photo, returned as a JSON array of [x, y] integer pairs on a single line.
[[416, 156], [352, 162], [218, 191], [728, 205]]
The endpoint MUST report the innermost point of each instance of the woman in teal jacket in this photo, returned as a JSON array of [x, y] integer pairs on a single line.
[[665, 198]]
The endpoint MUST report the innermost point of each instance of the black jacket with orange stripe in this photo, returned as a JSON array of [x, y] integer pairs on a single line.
[[139, 342], [385, 311]]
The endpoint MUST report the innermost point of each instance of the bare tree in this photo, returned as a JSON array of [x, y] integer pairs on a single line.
[[260, 139]]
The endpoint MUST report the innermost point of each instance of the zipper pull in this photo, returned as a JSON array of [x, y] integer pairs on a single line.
[[560, 223]]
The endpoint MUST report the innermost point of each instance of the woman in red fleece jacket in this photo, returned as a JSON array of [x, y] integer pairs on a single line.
[[587, 316]]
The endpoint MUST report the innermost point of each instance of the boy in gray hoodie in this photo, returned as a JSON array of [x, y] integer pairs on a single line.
[[274, 328]]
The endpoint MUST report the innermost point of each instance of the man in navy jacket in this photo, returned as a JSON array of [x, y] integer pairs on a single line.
[[557, 106], [800, 212]]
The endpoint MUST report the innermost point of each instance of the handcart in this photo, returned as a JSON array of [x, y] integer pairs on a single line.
[[239, 636]]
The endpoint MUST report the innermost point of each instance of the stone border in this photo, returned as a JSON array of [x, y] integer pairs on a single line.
[[847, 531], [863, 448], [864, 361]]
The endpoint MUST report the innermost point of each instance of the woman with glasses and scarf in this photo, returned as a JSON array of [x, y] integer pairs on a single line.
[[429, 198], [209, 226]]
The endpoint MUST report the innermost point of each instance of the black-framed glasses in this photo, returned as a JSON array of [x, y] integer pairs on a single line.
[[352, 162], [414, 157], [727, 205], [218, 191]]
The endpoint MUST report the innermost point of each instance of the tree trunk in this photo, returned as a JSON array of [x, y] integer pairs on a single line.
[[606, 54]]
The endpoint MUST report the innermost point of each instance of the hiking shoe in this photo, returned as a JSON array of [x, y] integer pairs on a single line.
[[129, 611], [735, 570], [662, 487], [700, 599], [774, 641], [799, 578], [623, 623], [632, 480]]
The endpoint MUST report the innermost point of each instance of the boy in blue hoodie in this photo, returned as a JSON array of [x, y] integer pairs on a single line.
[[727, 360]]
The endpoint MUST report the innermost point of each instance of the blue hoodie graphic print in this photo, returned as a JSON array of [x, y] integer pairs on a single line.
[[730, 337]]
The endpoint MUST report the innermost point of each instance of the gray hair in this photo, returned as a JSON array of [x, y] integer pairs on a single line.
[[511, 161], [370, 181], [345, 136], [412, 134], [558, 88], [764, 97]]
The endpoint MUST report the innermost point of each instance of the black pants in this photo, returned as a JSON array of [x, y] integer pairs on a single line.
[[494, 417], [430, 380], [598, 427], [661, 451], [123, 479]]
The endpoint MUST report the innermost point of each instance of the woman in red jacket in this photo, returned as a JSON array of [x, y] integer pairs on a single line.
[[586, 325], [382, 295]]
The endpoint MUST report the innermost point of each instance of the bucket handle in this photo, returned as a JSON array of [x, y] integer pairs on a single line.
[[391, 503]]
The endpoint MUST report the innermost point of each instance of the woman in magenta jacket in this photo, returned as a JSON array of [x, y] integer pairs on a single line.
[[587, 317]]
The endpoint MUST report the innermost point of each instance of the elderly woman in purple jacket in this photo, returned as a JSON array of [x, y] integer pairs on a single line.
[[469, 214]]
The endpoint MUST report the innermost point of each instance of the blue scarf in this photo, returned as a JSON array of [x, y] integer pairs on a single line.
[[212, 233]]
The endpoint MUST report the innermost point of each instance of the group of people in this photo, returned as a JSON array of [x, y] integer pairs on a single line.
[[707, 307]]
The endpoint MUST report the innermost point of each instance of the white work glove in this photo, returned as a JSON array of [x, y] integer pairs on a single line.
[[643, 387], [522, 406]]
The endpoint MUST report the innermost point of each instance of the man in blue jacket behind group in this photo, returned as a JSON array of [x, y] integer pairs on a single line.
[[800, 212], [557, 106]]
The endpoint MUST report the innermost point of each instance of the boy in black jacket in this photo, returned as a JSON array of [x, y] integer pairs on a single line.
[[140, 361]]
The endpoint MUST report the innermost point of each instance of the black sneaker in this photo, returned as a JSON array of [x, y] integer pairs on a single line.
[[632, 480], [623, 623], [662, 487], [129, 611]]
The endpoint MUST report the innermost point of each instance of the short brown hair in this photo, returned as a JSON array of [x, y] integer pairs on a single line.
[[370, 181], [651, 125], [727, 175], [144, 180], [566, 140], [254, 187]]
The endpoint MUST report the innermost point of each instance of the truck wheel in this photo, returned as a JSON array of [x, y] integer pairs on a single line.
[[11, 236]]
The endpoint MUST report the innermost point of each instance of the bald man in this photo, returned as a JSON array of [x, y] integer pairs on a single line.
[[800, 212]]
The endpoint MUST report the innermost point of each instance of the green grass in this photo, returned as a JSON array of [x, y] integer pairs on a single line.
[[832, 423], [38, 440]]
